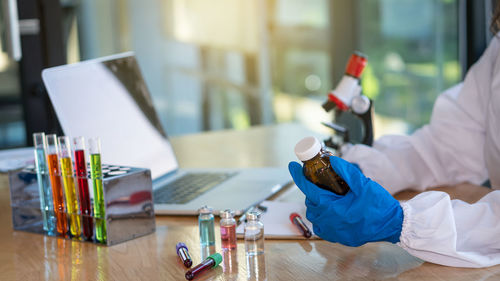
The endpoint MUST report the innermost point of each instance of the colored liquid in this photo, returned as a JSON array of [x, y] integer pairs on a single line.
[[83, 192], [228, 236], [45, 191], [71, 199], [99, 209], [319, 171], [207, 237], [254, 239], [204, 265], [57, 194]]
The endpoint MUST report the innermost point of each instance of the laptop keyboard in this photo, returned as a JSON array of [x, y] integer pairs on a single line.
[[188, 187]]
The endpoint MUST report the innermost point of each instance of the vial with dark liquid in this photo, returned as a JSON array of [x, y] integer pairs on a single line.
[[317, 167]]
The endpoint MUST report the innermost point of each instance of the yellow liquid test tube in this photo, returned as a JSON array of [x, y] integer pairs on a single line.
[[69, 186]]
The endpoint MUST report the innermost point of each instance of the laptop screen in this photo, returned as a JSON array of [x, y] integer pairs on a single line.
[[108, 98]]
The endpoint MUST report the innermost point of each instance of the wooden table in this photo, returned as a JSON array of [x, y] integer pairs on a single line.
[[25, 256]]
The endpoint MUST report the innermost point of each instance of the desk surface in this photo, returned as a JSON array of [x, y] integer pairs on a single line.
[[26, 256]]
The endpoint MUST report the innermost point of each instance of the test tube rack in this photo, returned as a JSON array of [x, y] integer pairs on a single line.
[[128, 197]]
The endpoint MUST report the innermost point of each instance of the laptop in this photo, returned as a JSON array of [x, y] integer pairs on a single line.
[[107, 97]]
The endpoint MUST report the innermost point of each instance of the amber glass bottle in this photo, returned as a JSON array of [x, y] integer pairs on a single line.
[[317, 167]]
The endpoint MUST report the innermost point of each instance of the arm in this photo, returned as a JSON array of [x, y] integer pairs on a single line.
[[448, 151], [429, 226], [462, 234]]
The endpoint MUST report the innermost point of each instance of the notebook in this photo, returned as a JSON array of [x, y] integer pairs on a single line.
[[276, 220]]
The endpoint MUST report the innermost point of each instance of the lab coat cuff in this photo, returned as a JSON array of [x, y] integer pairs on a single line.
[[407, 224]]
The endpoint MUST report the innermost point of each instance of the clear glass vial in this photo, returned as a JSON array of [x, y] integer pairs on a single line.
[[254, 235], [228, 230], [206, 226]]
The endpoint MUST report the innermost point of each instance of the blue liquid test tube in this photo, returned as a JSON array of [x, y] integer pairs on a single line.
[[44, 187], [206, 226]]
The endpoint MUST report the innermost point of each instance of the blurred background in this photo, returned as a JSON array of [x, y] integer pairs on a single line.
[[232, 64]]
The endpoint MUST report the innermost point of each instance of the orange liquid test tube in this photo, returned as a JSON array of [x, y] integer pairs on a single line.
[[57, 189]]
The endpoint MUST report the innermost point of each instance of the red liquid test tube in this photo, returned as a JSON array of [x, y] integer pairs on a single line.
[[83, 187], [211, 261], [297, 220]]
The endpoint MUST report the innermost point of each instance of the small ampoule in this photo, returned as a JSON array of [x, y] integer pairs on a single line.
[[254, 235], [206, 225], [228, 230], [317, 167]]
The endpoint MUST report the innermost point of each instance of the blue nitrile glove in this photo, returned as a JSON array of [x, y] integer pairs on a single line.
[[367, 213]]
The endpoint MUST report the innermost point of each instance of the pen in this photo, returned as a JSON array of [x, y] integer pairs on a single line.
[[297, 220], [243, 217]]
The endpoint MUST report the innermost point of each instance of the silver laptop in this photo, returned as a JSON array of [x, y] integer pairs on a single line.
[[107, 97]]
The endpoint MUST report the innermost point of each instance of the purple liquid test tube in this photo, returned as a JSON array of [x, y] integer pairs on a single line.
[[183, 253]]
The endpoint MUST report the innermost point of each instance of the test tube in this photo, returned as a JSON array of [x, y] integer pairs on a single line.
[[70, 190], [206, 226], [96, 175], [210, 262], [83, 187], [44, 188], [55, 180], [297, 221], [183, 253]]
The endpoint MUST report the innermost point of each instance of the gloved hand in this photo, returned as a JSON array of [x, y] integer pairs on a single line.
[[367, 213]]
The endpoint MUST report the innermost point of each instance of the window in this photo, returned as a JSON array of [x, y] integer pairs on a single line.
[[412, 49]]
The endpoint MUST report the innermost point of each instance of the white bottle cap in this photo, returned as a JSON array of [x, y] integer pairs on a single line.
[[307, 148]]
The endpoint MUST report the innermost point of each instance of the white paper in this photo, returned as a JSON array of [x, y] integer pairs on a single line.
[[276, 220]]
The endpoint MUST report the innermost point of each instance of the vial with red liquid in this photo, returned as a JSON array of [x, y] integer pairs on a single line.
[[210, 262], [228, 230], [83, 187], [317, 167]]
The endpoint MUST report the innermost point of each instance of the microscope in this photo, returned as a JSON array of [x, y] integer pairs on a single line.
[[352, 122]]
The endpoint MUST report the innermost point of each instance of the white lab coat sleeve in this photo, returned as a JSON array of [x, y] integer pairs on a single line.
[[452, 232], [448, 151]]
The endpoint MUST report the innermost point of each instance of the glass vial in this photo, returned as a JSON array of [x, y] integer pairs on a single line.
[[44, 187], [228, 230], [206, 226], [254, 235], [317, 167]]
